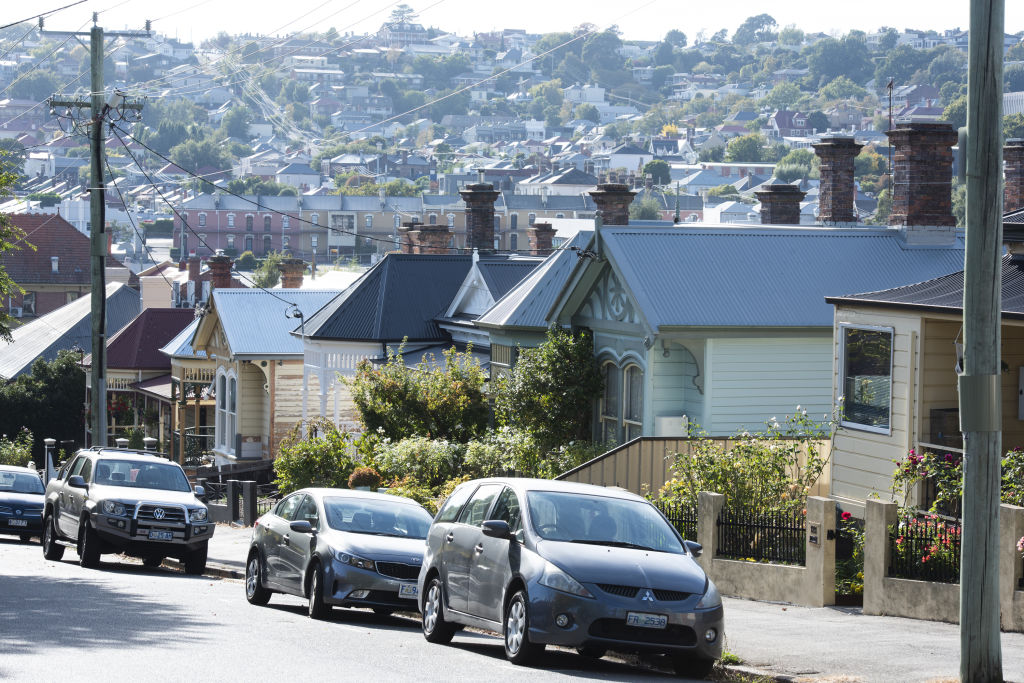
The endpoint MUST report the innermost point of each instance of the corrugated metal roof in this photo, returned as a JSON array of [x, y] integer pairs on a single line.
[[946, 294], [527, 304], [398, 297], [136, 346], [67, 327], [255, 323], [181, 345], [741, 277], [502, 275]]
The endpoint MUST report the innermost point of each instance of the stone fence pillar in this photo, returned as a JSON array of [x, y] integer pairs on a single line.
[[1011, 567], [233, 489], [249, 503], [879, 516], [709, 505], [820, 555]]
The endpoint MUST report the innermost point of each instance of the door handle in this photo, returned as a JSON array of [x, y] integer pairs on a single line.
[[287, 541], [479, 548], [450, 537]]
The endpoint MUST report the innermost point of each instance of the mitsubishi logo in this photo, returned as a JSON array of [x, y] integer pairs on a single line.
[[647, 596], [158, 513]]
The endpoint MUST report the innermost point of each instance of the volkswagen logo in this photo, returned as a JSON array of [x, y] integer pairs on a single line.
[[159, 513], [647, 596]]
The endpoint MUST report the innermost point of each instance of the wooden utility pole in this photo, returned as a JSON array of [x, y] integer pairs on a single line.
[[97, 219], [980, 383]]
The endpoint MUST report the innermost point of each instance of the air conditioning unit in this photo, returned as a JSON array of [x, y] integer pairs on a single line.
[[671, 425], [15, 311]]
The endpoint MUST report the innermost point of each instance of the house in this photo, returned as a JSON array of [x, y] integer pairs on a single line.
[[787, 124], [298, 175]]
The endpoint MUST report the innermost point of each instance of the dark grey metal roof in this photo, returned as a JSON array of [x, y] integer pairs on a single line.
[[946, 294], [398, 297], [503, 274], [738, 276]]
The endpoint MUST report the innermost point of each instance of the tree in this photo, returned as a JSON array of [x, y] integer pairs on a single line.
[[841, 88], [818, 121], [715, 153], [661, 75], [236, 122], [675, 38], [403, 14], [47, 401], [796, 165], [956, 112], [268, 272], [659, 170], [1013, 126], [782, 96], [664, 55], [745, 148], [791, 35], [758, 29], [551, 390], [601, 51], [949, 64], [12, 238], [728, 191], [900, 64], [193, 155], [314, 454], [588, 112], [35, 84], [830, 58], [1013, 78]]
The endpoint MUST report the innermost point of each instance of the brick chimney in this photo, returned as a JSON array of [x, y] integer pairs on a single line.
[[1013, 158], [480, 199], [540, 236], [194, 266], [291, 272], [613, 200], [922, 185], [408, 236], [837, 191], [780, 204], [433, 239], [220, 270]]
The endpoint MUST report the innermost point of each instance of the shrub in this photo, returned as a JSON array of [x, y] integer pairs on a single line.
[[320, 458], [945, 471], [425, 462], [408, 488], [268, 272], [247, 261], [364, 477], [16, 451]]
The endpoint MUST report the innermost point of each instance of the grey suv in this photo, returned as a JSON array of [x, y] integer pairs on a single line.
[[107, 500]]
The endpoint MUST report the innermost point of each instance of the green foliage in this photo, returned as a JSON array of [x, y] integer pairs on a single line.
[[945, 472], [321, 458], [16, 451], [588, 112], [193, 155], [1013, 126], [747, 148], [256, 185], [782, 96], [12, 238], [956, 112], [364, 477], [427, 462], [850, 570], [551, 389], [397, 402], [268, 272], [770, 470], [758, 29], [830, 58], [45, 199], [408, 488], [236, 122], [659, 171], [1013, 78], [33, 84], [900, 64], [47, 401], [646, 209], [247, 261], [724, 191], [711, 154], [881, 216], [841, 88], [959, 200]]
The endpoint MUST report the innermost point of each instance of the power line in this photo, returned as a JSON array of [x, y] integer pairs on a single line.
[[44, 14]]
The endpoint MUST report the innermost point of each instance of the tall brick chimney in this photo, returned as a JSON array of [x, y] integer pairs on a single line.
[[540, 236], [407, 236], [433, 239], [613, 200], [480, 199], [291, 272], [922, 185], [220, 270], [837, 191], [1013, 157], [194, 267], [780, 204]]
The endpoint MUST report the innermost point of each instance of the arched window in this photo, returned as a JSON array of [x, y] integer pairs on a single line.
[[532, 218], [609, 410], [432, 218], [267, 245], [227, 401], [513, 242], [248, 242], [622, 404], [451, 221], [248, 221], [202, 220], [266, 224], [632, 402], [513, 221]]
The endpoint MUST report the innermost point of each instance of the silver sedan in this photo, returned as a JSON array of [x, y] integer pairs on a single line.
[[338, 547]]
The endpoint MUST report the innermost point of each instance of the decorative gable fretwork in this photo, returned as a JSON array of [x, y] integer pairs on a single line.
[[609, 300]]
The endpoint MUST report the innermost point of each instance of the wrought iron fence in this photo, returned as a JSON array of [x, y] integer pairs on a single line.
[[762, 536], [199, 441], [267, 496], [682, 517], [926, 548], [216, 493]]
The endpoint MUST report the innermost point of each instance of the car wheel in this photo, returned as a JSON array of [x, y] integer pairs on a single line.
[[318, 609], [89, 547], [51, 549], [255, 593], [152, 561], [692, 667], [435, 628], [518, 648], [195, 561]]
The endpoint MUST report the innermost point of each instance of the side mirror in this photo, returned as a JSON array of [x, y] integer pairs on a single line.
[[301, 527], [76, 481], [200, 491], [497, 528], [696, 549]]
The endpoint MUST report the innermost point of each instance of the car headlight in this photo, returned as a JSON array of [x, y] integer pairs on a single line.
[[555, 578], [355, 560], [112, 507], [711, 597], [197, 515]]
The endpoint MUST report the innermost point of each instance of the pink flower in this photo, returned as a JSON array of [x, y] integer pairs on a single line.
[[845, 516]]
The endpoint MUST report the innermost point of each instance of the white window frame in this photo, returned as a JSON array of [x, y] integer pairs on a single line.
[[285, 222], [231, 220], [369, 221], [227, 410], [202, 220], [841, 389], [231, 241]]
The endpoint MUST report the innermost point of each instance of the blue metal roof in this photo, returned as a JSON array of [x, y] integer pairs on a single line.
[[764, 276], [255, 323], [501, 275], [181, 345]]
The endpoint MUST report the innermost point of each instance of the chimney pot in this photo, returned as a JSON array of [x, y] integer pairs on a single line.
[[540, 236], [613, 200], [194, 265], [922, 183], [780, 204], [292, 270], [837, 191], [220, 270], [480, 198]]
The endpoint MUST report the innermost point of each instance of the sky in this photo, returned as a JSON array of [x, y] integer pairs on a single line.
[[637, 19]]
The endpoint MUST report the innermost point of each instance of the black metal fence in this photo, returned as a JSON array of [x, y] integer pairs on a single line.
[[682, 517], [762, 536], [216, 493], [926, 548], [267, 496]]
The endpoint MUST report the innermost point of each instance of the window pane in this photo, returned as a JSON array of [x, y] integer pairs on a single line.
[[634, 393], [450, 510], [474, 512], [867, 381], [610, 401]]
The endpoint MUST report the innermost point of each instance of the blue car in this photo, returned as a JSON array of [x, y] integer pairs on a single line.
[[21, 502]]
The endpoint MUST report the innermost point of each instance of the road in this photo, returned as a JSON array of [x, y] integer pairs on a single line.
[[124, 622]]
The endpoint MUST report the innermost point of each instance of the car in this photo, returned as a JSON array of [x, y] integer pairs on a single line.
[[21, 502], [106, 500], [558, 563], [338, 547]]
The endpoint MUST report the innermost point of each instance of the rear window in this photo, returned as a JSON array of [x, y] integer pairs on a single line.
[[20, 482]]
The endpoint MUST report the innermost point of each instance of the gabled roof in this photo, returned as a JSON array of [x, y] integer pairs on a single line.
[[52, 236], [181, 345], [503, 274], [67, 327], [137, 345], [398, 297]]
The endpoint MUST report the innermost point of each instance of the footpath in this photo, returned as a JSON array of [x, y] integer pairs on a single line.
[[785, 642]]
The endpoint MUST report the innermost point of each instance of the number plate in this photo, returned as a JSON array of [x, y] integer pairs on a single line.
[[156, 535], [24, 522], [644, 620], [407, 590]]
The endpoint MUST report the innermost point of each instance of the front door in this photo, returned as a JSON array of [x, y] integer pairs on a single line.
[[465, 536]]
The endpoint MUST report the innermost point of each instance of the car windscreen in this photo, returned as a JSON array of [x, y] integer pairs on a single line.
[[600, 520], [141, 475], [376, 517], [19, 482]]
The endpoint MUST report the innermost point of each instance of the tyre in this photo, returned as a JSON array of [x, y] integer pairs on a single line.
[[89, 546], [255, 593], [318, 609], [152, 561], [435, 628], [692, 667], [51, 549], [518, 648], [195, 561]]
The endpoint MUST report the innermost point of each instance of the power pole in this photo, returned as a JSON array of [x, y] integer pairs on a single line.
[[99, 112], [979, 385]]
